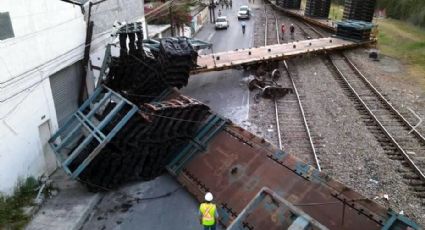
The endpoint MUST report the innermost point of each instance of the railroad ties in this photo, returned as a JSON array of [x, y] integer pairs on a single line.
[[394, 133]]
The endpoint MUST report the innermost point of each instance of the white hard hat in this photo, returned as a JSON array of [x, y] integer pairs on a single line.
[[208, 196]]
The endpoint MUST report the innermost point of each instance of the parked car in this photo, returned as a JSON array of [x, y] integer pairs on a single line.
[[221, 23], [244, 12]]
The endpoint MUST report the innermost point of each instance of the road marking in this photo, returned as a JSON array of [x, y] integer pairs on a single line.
[[209, 37]]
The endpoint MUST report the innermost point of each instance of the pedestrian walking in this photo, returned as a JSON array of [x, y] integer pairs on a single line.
[[208, 213], [227, 5], [292, 30], [230, 4], [282, 30], [222, 5]]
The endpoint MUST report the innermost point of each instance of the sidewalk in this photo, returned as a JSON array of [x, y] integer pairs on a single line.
[[69, 209]]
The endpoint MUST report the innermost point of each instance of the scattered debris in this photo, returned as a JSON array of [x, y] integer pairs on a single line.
[[374, 54], [386, 197], [268, 87], [374, 181]]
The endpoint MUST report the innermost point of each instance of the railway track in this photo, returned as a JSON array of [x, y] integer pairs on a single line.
[[397, 136], [291, 121], [394, 133]]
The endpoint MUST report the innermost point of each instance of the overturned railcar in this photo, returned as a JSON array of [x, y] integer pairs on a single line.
[[136, 126]]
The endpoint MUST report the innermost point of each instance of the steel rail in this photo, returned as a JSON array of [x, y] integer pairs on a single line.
[[266, 28], [404, 154], [385, 131], [316, 159], [314, 29], [380, 96], [279, 135], [389, 106], [300, 105]]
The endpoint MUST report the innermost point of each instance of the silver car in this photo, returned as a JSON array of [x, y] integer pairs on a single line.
[[244, 12], [221, 23]]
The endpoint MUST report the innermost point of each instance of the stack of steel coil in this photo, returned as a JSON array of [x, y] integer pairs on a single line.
[[317, 8], [177, 57], [143, 147], [289, 4], [362, 10], [355, 30]]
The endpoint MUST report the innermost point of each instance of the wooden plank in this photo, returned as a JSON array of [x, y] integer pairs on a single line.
[[229, 59]]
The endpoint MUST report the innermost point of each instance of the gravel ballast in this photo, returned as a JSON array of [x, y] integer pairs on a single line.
[[349, 152]]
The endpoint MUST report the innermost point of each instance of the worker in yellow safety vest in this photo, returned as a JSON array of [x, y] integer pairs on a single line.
[[208, 213]]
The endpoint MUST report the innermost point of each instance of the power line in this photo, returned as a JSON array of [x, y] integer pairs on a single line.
[[18, 104], [32, 87], [28, 36], [49, 61], [73, 2], [37, 13], [158, 8], [151, 14], [31, 35]]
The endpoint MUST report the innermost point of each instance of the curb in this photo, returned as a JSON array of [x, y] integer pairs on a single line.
[[85, 215], [68, 212]]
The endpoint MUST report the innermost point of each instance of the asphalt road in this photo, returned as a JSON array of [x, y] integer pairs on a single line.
[[226, 93], [231, 38]]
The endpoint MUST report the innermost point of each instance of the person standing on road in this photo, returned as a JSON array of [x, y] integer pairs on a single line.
[[243, 27], [208, 213], [292, 30], [282, 30], [219, 12], [230, 4]]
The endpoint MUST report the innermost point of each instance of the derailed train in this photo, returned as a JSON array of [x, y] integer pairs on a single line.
[[137, 125]]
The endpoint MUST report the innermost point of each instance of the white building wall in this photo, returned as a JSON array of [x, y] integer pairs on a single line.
[[49, 36]]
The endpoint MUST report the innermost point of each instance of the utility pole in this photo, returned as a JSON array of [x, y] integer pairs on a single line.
[[171, 18], [212, 12], [211, 7], [86, 58]]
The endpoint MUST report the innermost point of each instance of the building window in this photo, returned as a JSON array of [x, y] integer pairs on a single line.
[[6, 30]]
